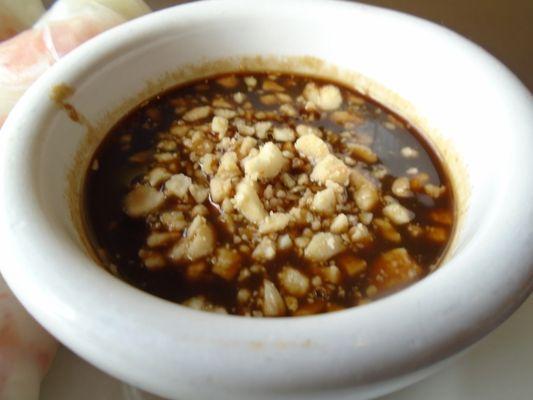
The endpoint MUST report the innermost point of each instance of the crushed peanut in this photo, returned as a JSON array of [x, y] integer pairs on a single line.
[[266, 164], [330, 168], [327, 97], [268, 195], [142, 200]]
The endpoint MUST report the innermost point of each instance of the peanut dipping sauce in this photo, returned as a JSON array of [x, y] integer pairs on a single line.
[[264, 194]]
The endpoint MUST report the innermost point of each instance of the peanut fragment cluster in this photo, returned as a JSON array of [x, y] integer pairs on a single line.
[[270, 184]]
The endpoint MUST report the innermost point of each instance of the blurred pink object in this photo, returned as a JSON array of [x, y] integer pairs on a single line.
[[65, 26], [17, 15], [26, 349]]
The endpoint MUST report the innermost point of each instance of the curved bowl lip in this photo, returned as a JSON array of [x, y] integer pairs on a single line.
[[19, 132]]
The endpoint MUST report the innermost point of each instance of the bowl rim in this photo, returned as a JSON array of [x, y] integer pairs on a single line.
[[58, 311]]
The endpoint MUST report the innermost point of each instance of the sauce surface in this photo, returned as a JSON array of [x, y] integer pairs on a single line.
[[267, 195]]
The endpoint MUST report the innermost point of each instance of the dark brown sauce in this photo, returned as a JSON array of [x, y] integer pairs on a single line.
[[118, 237]]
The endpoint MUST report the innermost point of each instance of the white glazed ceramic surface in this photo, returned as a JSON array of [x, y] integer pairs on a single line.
[[478, 375], [470, 98]]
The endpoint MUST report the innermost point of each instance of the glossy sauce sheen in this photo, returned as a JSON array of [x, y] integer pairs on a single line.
[[118, 238]]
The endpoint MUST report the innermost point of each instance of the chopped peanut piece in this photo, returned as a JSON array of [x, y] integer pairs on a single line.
[[291, 303], [284, 135], [220, 189], [273, 304], [178, 252], [366, 197], [142, 200], [228, 167], [358, 179], [325, 202], [173, 220], [158, 239], [441, 216], [344, 117], [351, 265], [366, 217], [284, 242], [340, 224], [219, 125], [293, 281], [262, 128], [288, 181], [247, 144], [250, 81], [244, 129], [312, 147], [239, 97], [274, 222], [227, 206], [199, 193], [271, 86], [398, 214], [436, 234], [323, 246], [303, 130], [331, 274], [199, 209], [157, 176], [196, 270], [267, 164], [394, 269], [153, 261], [243, 295], [201, 239], [287, 109], [433, 190], [331, 168], [221, 103], [418, 181], [402, 188], [229, 82], [225, 113], [286, 99], [197, 113], [179, 130], [227, 263], [388, 231], [248, 203], [207, 163], [269, 99], [327, 97], [265, 250], [409, 152], [414, 230], [202, 304], [362, 152], [338, 189], [178, 185]]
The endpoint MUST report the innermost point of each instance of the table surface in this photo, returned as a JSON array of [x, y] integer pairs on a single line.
[[503, 27], [501, 365]]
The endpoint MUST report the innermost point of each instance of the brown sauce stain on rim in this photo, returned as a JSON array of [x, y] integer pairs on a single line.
[[60, 93], [307, 65]]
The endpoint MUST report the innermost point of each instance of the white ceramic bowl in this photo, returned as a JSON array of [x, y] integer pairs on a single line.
[[473, 106]]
